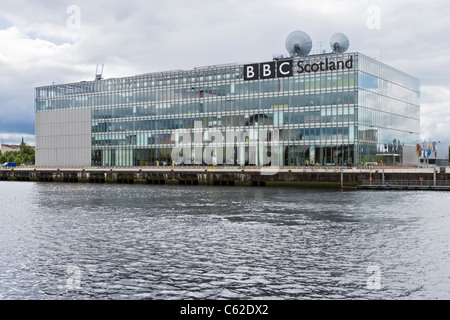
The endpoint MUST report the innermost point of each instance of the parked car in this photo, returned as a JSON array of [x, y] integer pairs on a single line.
[[9, 165]]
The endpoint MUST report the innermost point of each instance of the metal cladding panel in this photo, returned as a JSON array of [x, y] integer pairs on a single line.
[[63, 138], [409, 156]]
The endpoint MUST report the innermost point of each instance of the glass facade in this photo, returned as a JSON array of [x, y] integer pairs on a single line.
[[388, 112], [324, 116]]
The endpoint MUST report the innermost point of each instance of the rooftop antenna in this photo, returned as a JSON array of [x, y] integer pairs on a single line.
[[99, 76], [339, 43], [298, 43]]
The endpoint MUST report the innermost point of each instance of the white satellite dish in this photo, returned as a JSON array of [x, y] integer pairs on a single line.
[[298, 43], [339, 43]]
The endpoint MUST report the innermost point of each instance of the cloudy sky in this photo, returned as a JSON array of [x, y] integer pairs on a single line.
[[56, 41]]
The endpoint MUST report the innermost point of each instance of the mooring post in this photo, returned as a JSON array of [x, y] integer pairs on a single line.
[[342, 180]]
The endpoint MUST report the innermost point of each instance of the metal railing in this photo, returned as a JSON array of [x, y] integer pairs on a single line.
[[416, 183]]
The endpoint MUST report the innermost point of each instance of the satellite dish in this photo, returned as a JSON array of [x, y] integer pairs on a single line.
[[298, 43], [339, 43]]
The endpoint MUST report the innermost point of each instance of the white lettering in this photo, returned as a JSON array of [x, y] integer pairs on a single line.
[[250, 72], [74, 21], [181, 153], [267, 72], [374, 19], [208, 311], [374, 281], [213, 152], [74, 279], [211, 147], [280, 68]]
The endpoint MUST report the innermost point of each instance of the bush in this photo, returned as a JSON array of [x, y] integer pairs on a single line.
[[18, 161]]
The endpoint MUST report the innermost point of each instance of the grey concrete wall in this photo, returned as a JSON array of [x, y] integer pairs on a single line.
[[63, 138]]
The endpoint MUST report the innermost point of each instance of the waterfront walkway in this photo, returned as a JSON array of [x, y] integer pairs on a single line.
[[356, 177]]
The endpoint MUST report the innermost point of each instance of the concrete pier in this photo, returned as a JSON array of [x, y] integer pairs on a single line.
[[231, 176]]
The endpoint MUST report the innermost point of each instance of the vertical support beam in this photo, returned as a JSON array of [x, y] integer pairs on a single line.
[[342, 180]]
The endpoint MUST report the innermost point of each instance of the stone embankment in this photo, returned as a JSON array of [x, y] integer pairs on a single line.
[[362, 177]]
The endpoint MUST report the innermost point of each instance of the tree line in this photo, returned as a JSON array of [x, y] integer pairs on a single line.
[[25, 154]]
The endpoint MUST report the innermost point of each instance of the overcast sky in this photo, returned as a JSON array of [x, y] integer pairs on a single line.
[[57, 41]]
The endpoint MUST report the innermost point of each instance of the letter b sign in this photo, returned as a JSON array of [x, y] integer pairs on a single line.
[[267, 70], [251, 72]]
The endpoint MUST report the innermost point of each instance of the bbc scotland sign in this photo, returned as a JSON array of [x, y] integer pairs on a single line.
[[326, 65], [268, 70], [284, 68]]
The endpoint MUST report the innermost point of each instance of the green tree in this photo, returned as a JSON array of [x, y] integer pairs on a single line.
[[11, 158], [18, 160], [26, 158], [25, 149], [3, 159], [11, 154]]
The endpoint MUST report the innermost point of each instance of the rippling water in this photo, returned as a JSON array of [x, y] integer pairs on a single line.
[[83, 241]]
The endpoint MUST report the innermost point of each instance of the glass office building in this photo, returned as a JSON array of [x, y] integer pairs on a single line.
[[327, 109]]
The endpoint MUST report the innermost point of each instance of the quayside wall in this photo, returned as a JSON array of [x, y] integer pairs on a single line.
[[229, 176]]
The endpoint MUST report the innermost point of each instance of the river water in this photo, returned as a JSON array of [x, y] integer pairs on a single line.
[[85, 241]]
